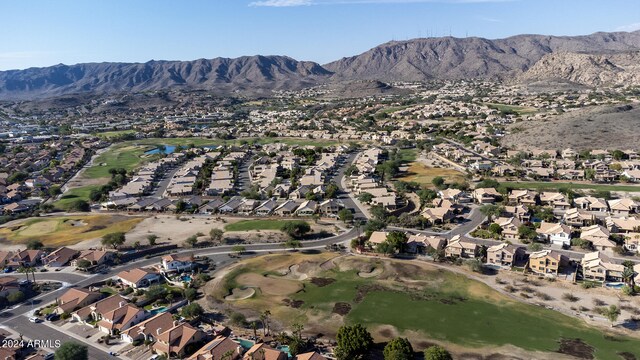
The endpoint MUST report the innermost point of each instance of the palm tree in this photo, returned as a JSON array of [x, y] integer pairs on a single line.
[[628, 277], [491, 210]]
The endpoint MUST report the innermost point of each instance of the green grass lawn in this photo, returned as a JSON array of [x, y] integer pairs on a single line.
[[521, 110], [556, 185], [408, 155], [449, 310], [80, 193], [248, 225], [110, 134]]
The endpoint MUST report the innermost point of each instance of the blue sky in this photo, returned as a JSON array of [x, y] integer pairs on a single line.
[[43, 33]]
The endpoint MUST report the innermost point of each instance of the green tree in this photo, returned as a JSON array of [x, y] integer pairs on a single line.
[[345, 215], [78, 205], [83, 263], [438, 182], [397, 239], [191, 241], [155, 292], [191, 311], [612, 313], [386, 248], [190, 294], [331, 192], [365, 197], [398, 349], [54, 191], [216, 235], [526, 232], [152, 238], [436, 352], [238, 249], [296, 229], [35, 244], [495, 229], [491, 210], [292, 244], [15, 297], [113, 239], [353, 342], [72, 351]]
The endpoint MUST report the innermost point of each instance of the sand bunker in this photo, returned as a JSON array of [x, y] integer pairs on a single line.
[[75, 223], [270, 285], [241, 294], [293, 273]]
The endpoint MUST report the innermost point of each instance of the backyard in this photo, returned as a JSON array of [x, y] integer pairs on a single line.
[[326, 292]]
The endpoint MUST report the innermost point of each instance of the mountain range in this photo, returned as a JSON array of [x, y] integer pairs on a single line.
[[577, 59]]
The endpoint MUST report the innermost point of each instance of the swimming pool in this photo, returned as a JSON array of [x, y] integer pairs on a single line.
[[186, 278], [159, 310], [617, 285], [284, 349], [246, 344]]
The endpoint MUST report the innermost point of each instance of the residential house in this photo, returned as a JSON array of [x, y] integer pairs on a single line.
[[420, 243], [266, 208], [461, 247], [377, 237], [138, 277], [599, 267], [220, 348], [330, 207], [60, 257], [546, 262], [75, 298], [632, 242], [485, 195], [520, 212], [577, 217], [25, 258], [173, 342], [555, 234], [509, 227], [591, 203], [523, 197], [179, 263], [96, 310], [95, 257], [624, 206], [287, 208], [554, 199], [121, 318], [148, 329], [307, 208], [263, 351], [505, 254], [310, 356], [598, 236]]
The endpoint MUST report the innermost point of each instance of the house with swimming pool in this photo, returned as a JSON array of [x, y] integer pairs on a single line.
[[177, 263]]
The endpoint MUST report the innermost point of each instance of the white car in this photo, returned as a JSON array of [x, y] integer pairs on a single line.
[[34, 319]]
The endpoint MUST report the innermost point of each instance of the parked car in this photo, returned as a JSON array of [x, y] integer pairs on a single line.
[[34, 320], [52, 317], [49, 356]]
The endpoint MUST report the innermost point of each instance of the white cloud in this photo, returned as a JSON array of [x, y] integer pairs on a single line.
[[630, 27], [281, 3], [290, 3]]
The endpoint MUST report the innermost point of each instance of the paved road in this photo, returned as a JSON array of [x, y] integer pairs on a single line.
[[16, 319], [345, 195]]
